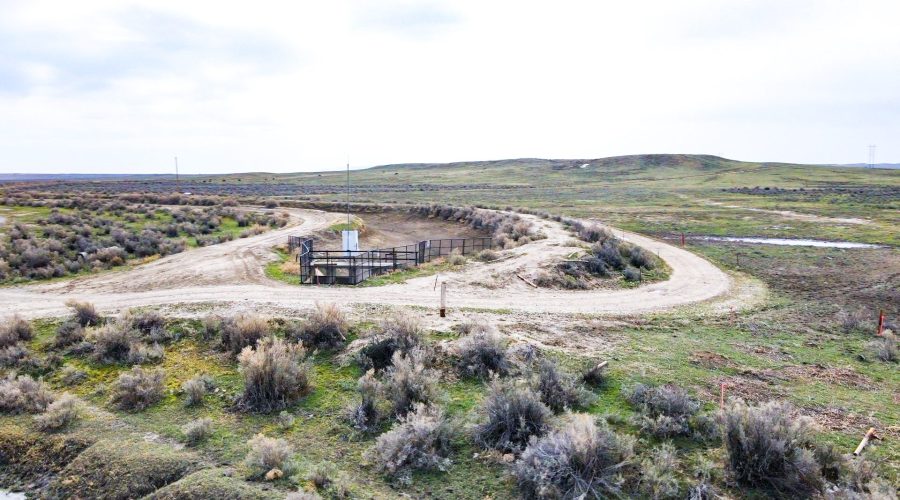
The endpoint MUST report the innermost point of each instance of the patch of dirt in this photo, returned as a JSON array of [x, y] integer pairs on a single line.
[[750, 390], [835, 418], [847, 377], [581, 337], [711, 360], [764, 351]]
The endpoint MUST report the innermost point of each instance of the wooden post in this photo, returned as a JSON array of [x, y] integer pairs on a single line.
[[880, 323], [443, 299], [865, 440], [682, 240], [722, 395]]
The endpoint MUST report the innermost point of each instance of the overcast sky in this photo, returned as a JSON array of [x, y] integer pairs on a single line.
[[122, 86]]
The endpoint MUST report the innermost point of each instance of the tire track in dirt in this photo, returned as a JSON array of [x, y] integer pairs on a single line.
[[232, 272]]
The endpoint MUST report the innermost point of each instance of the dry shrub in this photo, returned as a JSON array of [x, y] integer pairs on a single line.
[[275, 375], [420, 440], [243, 330], [325, 328], [112, 342], [68, 333], [487, 255], [14, 330], [291, 267], [483, 354], [285, 420], [409, 381], [84, 312], [196, 431], [399, 333], [854, 321], [365, 416], [62, 412], [456, 258], [266, 454], [560, 391], [768, 448], [196, 388], [212, 326], [511, 415], [23, 394], [666, 410], [472, 325], [140, 352], [583, 460], [150, 325], [884, 348], [137, 389], [658, 471]]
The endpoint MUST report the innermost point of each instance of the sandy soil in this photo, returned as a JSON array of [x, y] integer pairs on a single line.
[[232, 273]]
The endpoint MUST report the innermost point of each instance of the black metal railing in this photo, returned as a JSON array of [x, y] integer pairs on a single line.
[[327, 267]]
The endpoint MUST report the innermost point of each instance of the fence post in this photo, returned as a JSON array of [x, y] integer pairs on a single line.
[[682, 240], [443, 299], [880, 323]]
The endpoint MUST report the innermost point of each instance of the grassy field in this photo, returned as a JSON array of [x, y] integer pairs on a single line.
[[808, 342], [661, 194]]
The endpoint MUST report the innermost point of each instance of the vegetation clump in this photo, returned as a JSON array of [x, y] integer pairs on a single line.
[[196, 431], [275, 375], [267, 455], [668, 411], [483, 354], [196, 388], [325, 328], [84, 313], [558, 390], [768, 448], [399, 333], [22, 393], [583, 460], [14, 330], [59, 414], [243, 330], [138, 389], [409, 381], [419, 440], [366, 416], [511, 415], [884, 348], [658, 471], [68, 333]]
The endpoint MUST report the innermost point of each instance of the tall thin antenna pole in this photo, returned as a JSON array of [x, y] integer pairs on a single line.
[[872, 155], [177, 181], [349, 226]]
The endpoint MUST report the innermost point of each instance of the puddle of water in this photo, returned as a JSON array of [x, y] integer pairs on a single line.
[[793, 242], [9, 495]]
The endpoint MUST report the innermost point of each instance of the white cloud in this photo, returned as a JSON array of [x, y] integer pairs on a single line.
[[285, 86]]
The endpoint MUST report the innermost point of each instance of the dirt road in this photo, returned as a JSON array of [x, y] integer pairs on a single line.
[[232, 272]]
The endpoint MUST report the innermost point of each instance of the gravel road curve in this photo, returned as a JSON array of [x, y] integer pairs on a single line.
[[232, 272]]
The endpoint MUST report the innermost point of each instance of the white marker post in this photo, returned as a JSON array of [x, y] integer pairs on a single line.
[[443, 299]]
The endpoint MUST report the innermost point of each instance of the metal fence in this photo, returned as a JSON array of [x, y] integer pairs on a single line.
[[327, 267]]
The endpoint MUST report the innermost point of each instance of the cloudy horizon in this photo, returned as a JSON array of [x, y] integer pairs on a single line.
[[124, 86]]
